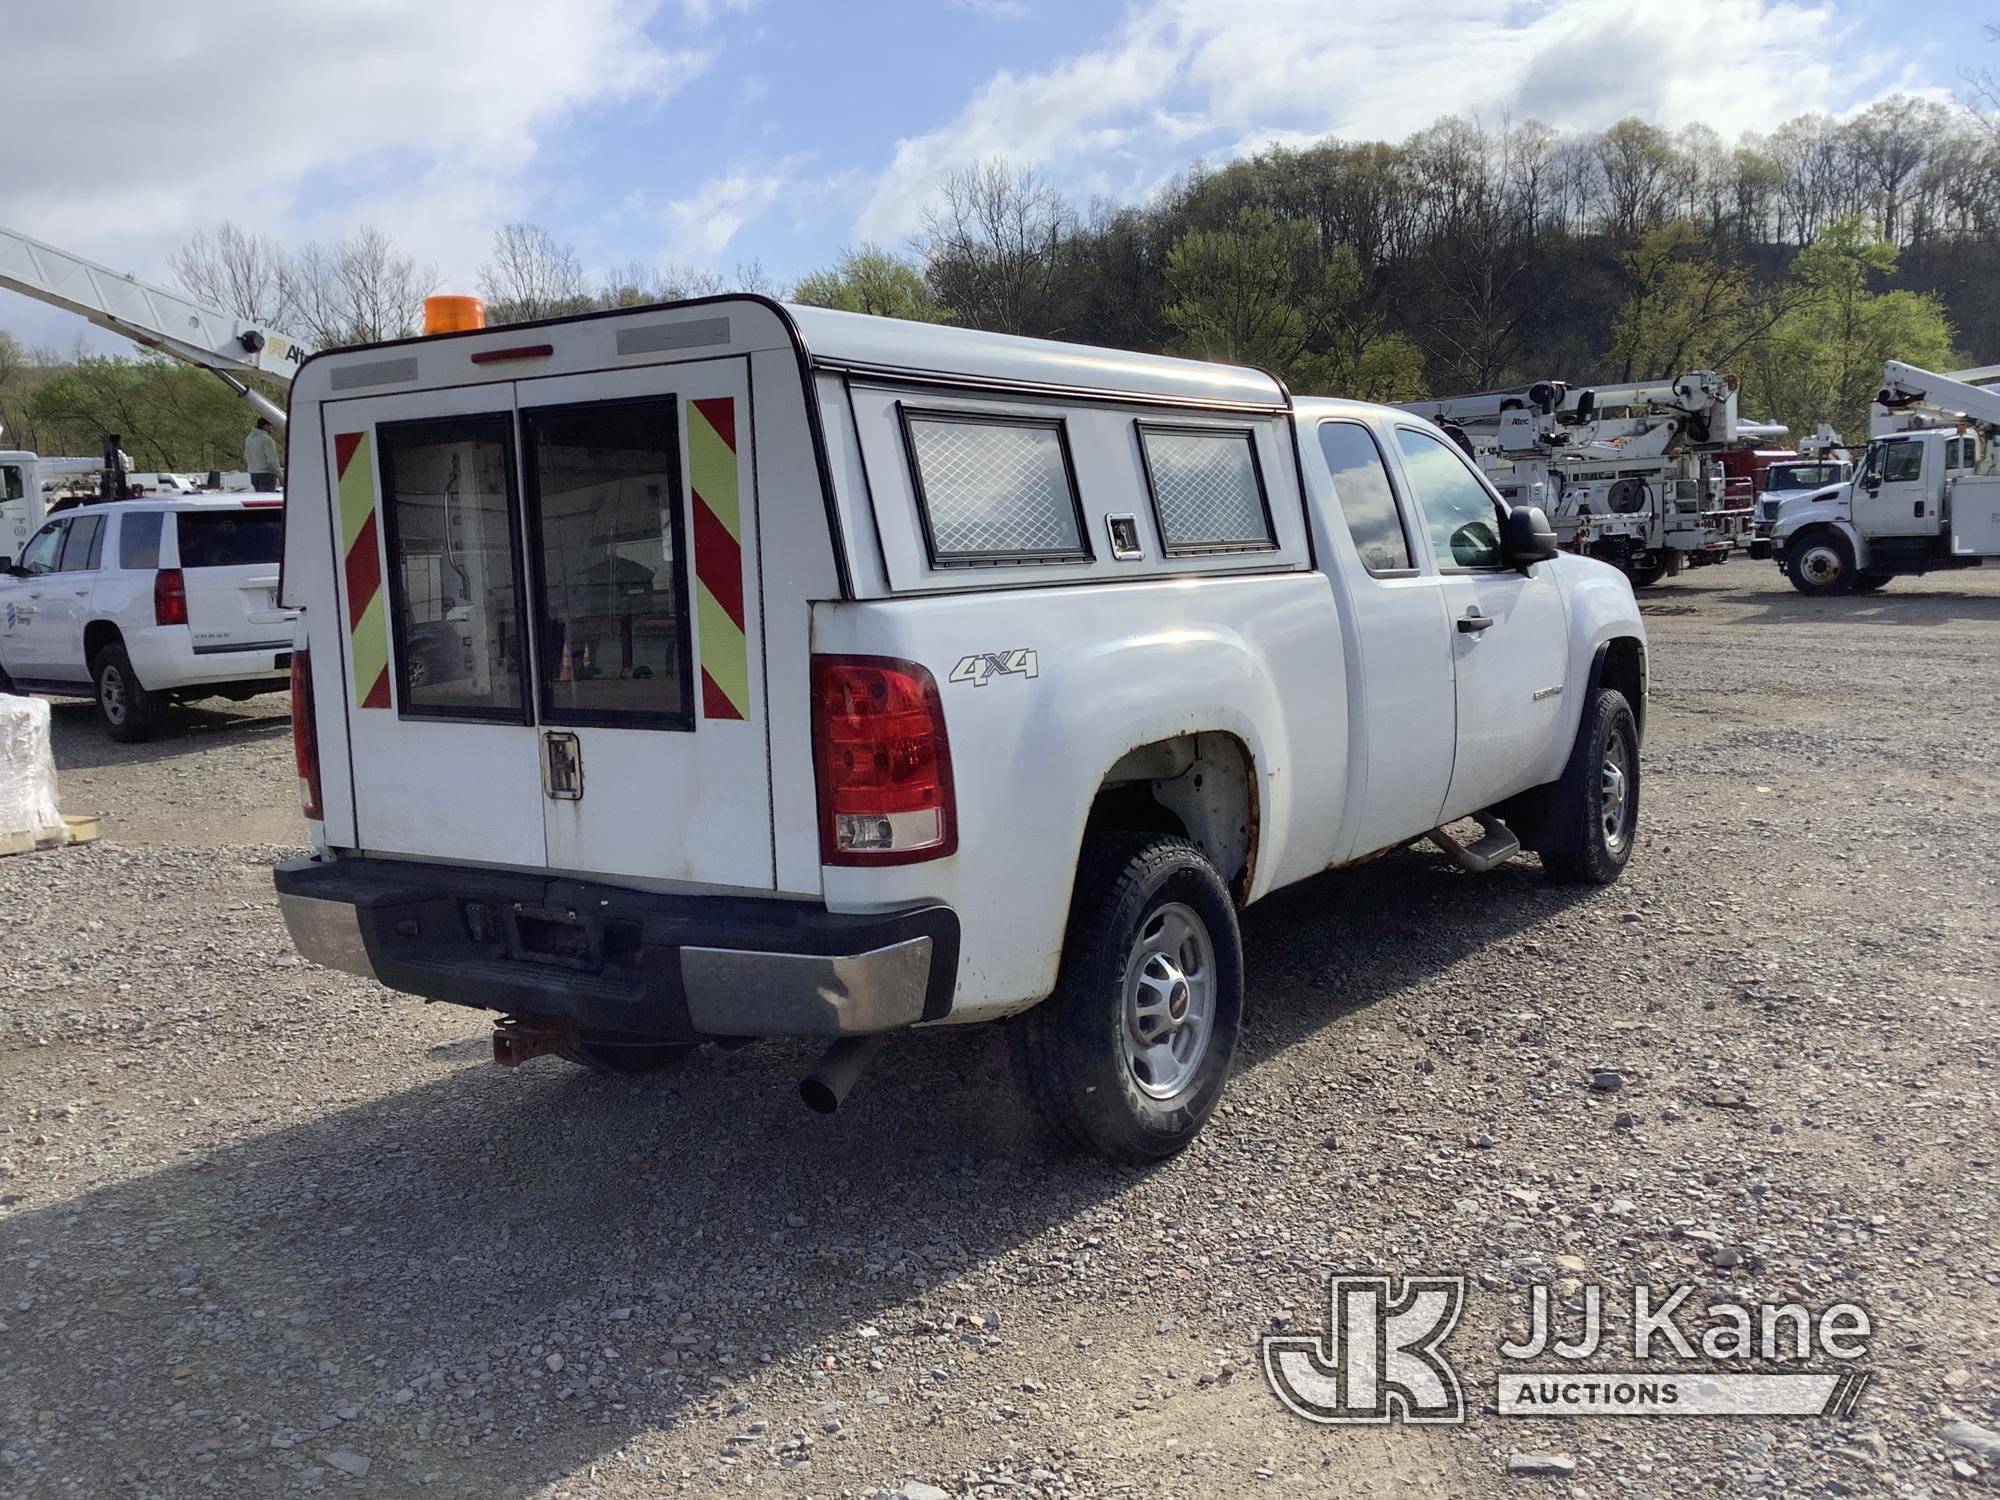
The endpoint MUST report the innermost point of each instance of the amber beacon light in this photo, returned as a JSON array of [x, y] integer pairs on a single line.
[[444, 314]]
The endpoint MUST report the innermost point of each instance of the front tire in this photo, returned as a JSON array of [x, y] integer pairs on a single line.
[[128, 712], [1820, 564], [1128, 1058], [1868, 583], [1593, 819]]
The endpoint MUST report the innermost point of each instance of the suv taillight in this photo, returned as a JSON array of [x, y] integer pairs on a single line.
[[170, 598], [883, 765], [305, 738]]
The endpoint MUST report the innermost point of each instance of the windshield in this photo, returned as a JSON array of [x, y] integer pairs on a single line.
[[1803, 476]]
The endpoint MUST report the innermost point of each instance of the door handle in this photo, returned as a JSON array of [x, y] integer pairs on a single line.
[[81, 593], [1472, 622]]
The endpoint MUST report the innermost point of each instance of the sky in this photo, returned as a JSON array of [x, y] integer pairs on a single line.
[[716, 132]]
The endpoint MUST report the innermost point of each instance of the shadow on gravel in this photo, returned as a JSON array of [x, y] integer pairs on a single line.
[[80, 743], [470, 1227], [1885, 608]]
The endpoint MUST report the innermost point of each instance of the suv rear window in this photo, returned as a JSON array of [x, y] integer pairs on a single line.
[[229, 539]]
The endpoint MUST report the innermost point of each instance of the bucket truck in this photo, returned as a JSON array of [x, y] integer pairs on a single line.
[[1626, 473], [1925, 497], [168, 322]]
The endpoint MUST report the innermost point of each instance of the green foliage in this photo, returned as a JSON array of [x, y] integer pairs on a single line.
[[873, 280], [166, 415], [1822, 360], [1690, 308], [1264, 293]]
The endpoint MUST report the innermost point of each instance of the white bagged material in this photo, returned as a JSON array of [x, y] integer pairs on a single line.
[[27, 769]]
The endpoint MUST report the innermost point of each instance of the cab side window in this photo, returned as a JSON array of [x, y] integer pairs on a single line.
[[1367, 503], [39, 556], [11, 485], [1902, 461], [1462, 516]]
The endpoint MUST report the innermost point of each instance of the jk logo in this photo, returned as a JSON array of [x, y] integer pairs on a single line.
[[1379, 1360]]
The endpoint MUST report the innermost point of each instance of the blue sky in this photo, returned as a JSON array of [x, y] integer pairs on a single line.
[[713, 132]]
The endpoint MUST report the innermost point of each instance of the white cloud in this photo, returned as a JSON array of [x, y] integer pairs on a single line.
[[1237, 74], [701, 225], [291, 118]]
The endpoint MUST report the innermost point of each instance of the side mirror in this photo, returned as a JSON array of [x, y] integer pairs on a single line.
[[1872, 483], [1526, 536]]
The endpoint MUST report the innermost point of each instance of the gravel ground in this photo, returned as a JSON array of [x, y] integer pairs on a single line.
[[265, 1227]]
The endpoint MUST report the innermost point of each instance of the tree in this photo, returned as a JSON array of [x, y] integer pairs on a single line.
[[532, 275], [1823, 360], [166, 415], [873, 280], [996, 247], [1261, 293], [1691, 307], [247, 274]]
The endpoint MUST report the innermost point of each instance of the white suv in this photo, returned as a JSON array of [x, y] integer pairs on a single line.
[[141, 602]]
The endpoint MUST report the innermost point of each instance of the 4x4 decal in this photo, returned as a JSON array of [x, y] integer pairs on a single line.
[[979, 670]]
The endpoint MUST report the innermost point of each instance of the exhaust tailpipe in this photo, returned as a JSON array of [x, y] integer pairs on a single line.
[[828, 1083]]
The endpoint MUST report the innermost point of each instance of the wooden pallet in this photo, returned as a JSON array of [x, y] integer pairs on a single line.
[[75, 830]]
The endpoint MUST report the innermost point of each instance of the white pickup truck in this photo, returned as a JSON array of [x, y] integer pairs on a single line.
[[726, 669]]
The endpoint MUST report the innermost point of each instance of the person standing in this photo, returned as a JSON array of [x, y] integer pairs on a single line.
[[260, 456]]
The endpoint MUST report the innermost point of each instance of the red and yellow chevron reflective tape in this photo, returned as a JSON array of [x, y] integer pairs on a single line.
[[367, 619], [718, 559]]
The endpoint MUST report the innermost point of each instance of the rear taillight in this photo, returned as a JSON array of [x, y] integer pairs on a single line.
[[305, 738], [883, 764], [170, 597]]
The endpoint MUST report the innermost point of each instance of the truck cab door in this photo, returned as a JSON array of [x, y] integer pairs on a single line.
[[25, 646], [1896, 492], [1509, 634], [1392, 606]]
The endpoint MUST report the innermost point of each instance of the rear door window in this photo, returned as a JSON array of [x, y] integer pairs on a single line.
[[1367, 503], [454, 569], [229, 539], [610, 564], [81, 552]]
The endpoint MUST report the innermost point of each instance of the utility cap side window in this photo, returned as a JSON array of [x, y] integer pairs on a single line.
[[1463, 519]]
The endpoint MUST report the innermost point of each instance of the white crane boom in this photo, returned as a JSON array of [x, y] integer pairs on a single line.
[[1949, 396], [171, 322]]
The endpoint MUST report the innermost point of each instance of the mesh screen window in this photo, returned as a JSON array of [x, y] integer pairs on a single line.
[[995, 490], [1206, 489]]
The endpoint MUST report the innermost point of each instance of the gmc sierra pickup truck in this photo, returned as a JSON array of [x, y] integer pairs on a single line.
[[726, 669]]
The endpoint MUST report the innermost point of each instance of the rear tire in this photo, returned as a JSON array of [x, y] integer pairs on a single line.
[[1593, 819], [623, 1052], [128, 712], [1820, 564], [1128, 1058], [1646, 575]]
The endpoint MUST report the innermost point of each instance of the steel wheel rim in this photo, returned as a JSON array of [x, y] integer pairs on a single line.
[[1615, 794], [111, 694], [1167, 1017], [1820, 564]]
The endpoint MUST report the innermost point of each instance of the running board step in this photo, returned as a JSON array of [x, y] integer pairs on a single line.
[[1495, 847]]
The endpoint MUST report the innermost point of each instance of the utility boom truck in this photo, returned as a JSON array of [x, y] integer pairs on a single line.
[[169, 322], [1626, 473], [725, 669], [1923, 498]]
